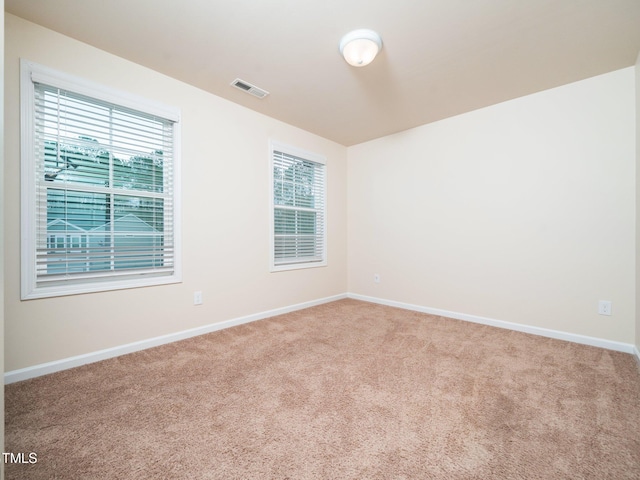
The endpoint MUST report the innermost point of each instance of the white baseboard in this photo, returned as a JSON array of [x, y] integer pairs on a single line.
[[544, 332], [76, 361]]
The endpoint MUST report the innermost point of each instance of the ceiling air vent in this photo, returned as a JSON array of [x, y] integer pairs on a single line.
[[247, 87]]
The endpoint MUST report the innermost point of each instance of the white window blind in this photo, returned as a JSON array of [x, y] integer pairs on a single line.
[[299, 237], [102, 214]]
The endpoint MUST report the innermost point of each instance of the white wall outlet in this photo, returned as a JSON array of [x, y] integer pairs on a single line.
[[197, 298], [376, 278], [604, 307]]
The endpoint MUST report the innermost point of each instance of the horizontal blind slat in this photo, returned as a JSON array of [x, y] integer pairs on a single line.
[[95, 159], [298, 189]]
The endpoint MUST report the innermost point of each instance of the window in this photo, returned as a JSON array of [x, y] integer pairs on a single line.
[[298, 213], [99, 187]]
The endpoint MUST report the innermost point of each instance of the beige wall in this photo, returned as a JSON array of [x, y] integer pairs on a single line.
[[523, 211], [2, 204], [637, 75], [225, 205]]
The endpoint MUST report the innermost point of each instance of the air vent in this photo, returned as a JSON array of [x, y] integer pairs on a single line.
[[251, 89]]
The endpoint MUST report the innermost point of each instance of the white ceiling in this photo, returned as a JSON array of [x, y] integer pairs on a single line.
[[439, 57]]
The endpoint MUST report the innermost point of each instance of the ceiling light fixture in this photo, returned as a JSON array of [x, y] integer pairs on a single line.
[[360, 47]]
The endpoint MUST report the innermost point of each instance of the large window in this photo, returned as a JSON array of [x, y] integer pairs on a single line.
[[99, 187], [298, 213]]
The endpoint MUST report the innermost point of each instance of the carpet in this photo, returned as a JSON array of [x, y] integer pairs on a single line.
[[345, 390]]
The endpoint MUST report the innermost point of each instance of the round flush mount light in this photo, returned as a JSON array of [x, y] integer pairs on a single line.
[[360, 47]]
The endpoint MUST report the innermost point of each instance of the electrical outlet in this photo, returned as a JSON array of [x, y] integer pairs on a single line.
[[197, 298], [604, 307], [376, 278]]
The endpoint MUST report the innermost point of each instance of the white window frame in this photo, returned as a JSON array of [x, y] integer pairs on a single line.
[[30, 73], [275, 146]]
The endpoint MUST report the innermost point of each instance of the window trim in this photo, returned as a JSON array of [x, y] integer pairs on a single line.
[[312, 157], [30, 73]]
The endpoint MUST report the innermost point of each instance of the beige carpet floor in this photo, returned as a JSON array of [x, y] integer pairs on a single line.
[[346, 390]]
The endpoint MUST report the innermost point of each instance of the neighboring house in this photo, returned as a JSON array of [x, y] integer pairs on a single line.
[[122, 243], [65, 239], [131, 239]]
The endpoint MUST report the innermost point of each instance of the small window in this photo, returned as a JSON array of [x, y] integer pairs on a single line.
[[298, 213], [99, 187]]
